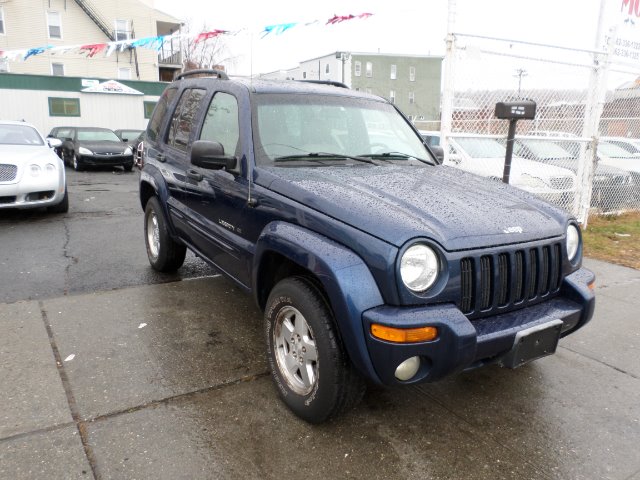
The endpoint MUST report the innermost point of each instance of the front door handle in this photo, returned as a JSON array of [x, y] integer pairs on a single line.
[[194, 175], [160, 157]]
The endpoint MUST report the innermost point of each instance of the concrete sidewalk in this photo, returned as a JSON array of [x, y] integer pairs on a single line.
[[170, 381]]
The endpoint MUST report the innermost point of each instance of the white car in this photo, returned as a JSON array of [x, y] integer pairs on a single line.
[[485, 156], [631, 145], [616, 156], [31, 174]]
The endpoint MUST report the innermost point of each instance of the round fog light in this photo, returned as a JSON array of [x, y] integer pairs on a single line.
[[408, 369]]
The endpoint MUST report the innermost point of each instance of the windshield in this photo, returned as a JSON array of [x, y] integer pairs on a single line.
[[86, 135], [611, 150], [19, 135], [481, 147], [297, 125], [545, 149]]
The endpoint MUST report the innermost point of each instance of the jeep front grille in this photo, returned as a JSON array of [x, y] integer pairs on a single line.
[[509, 279], [8, 172]]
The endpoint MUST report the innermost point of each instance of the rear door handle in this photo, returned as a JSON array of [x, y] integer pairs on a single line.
[[192, 174]]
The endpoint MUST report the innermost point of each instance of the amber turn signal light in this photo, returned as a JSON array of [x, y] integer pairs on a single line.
[[404, 335], [592, 286]]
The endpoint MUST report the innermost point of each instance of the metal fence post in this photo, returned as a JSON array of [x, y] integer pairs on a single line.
[[446, 112]]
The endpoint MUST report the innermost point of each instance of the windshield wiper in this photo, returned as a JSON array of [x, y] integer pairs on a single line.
[[304, 156], [394, 155]]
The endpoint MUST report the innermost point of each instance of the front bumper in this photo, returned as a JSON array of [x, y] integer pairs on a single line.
[[33, 193], [105, 160], [463, 344]]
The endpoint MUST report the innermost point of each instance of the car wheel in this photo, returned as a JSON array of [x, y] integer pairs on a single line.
[[63, 206], [77, 164], [165, 254], [309, 365]]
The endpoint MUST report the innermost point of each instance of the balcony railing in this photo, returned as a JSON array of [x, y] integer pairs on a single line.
[[170, 53]]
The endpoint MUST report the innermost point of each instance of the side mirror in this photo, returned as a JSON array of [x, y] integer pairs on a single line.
[[125, 140], [54, 142], [438, 152], [210, 155]]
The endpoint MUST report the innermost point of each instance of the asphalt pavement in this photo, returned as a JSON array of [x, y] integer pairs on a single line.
[[110, 371]]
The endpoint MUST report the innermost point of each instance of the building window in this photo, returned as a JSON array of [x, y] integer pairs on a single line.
[[326, 68], [1, 21], [304, 74], [4, 65], [357, 89], [393, 72], [57, 69], [358, 68], [122, 31], [412, 97], [412, 74], [124, 73], [148, 108], [369, 69], [392, 96], [64, 107], [54, 23]]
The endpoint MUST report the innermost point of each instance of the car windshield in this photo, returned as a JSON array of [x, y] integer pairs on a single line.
[[19, 135], [323, 129], [481, 147], [611, 150], [95, 135], [545, 149]]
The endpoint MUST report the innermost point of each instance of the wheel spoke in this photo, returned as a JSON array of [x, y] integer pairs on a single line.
[[301, 326], [307, 373], [311, 354], [291, 364]]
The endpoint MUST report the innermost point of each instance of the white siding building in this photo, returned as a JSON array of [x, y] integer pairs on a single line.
[[28, 24]]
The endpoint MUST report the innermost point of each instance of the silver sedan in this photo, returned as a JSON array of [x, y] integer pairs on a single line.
[[31, 174]]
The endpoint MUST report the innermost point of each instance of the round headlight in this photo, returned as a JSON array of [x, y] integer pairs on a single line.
[[419, 267], [573, 242], [35, 170]]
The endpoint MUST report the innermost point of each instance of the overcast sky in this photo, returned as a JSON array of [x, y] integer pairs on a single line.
[[399, 26]]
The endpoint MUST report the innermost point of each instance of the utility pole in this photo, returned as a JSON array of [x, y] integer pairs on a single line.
[[520, 72]]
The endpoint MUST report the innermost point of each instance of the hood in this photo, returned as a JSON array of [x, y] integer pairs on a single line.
[[104, 146], [24, 155], [397, 203], [631, 164]]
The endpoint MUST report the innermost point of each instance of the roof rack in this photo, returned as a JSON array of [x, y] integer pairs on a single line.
[[211, 72], [326, 82]]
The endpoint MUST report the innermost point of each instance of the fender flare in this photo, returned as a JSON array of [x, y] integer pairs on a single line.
[[152, 177], [346, 279]]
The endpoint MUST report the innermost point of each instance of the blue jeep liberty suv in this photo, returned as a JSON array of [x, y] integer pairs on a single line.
[[370, 259]]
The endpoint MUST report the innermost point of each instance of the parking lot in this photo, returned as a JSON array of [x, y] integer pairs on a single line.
[[110, 370]]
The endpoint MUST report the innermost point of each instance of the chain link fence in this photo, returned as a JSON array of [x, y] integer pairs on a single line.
[[582, 150]]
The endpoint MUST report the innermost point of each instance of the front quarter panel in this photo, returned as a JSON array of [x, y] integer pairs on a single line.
[[348, 283]]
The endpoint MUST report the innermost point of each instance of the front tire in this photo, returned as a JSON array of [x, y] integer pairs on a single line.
[[165, 254], [63, 206], [77, 164], [309, 365]]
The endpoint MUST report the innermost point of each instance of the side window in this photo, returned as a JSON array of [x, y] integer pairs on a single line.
[[221, 123], [183, 117], [63, 133], [159, 113]]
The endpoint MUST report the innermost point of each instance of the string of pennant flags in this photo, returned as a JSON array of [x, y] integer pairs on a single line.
[[157, 42]]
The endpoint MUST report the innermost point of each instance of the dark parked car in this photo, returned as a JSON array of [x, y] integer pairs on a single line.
[[91, 146], [369, 260], [128, 136], [613, 188]]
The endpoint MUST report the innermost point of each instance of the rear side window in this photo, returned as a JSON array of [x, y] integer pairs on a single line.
[[183, 118], [221, 123], [159, 113]]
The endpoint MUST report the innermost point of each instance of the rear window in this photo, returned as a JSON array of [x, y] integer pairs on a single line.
[[159, 112]]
